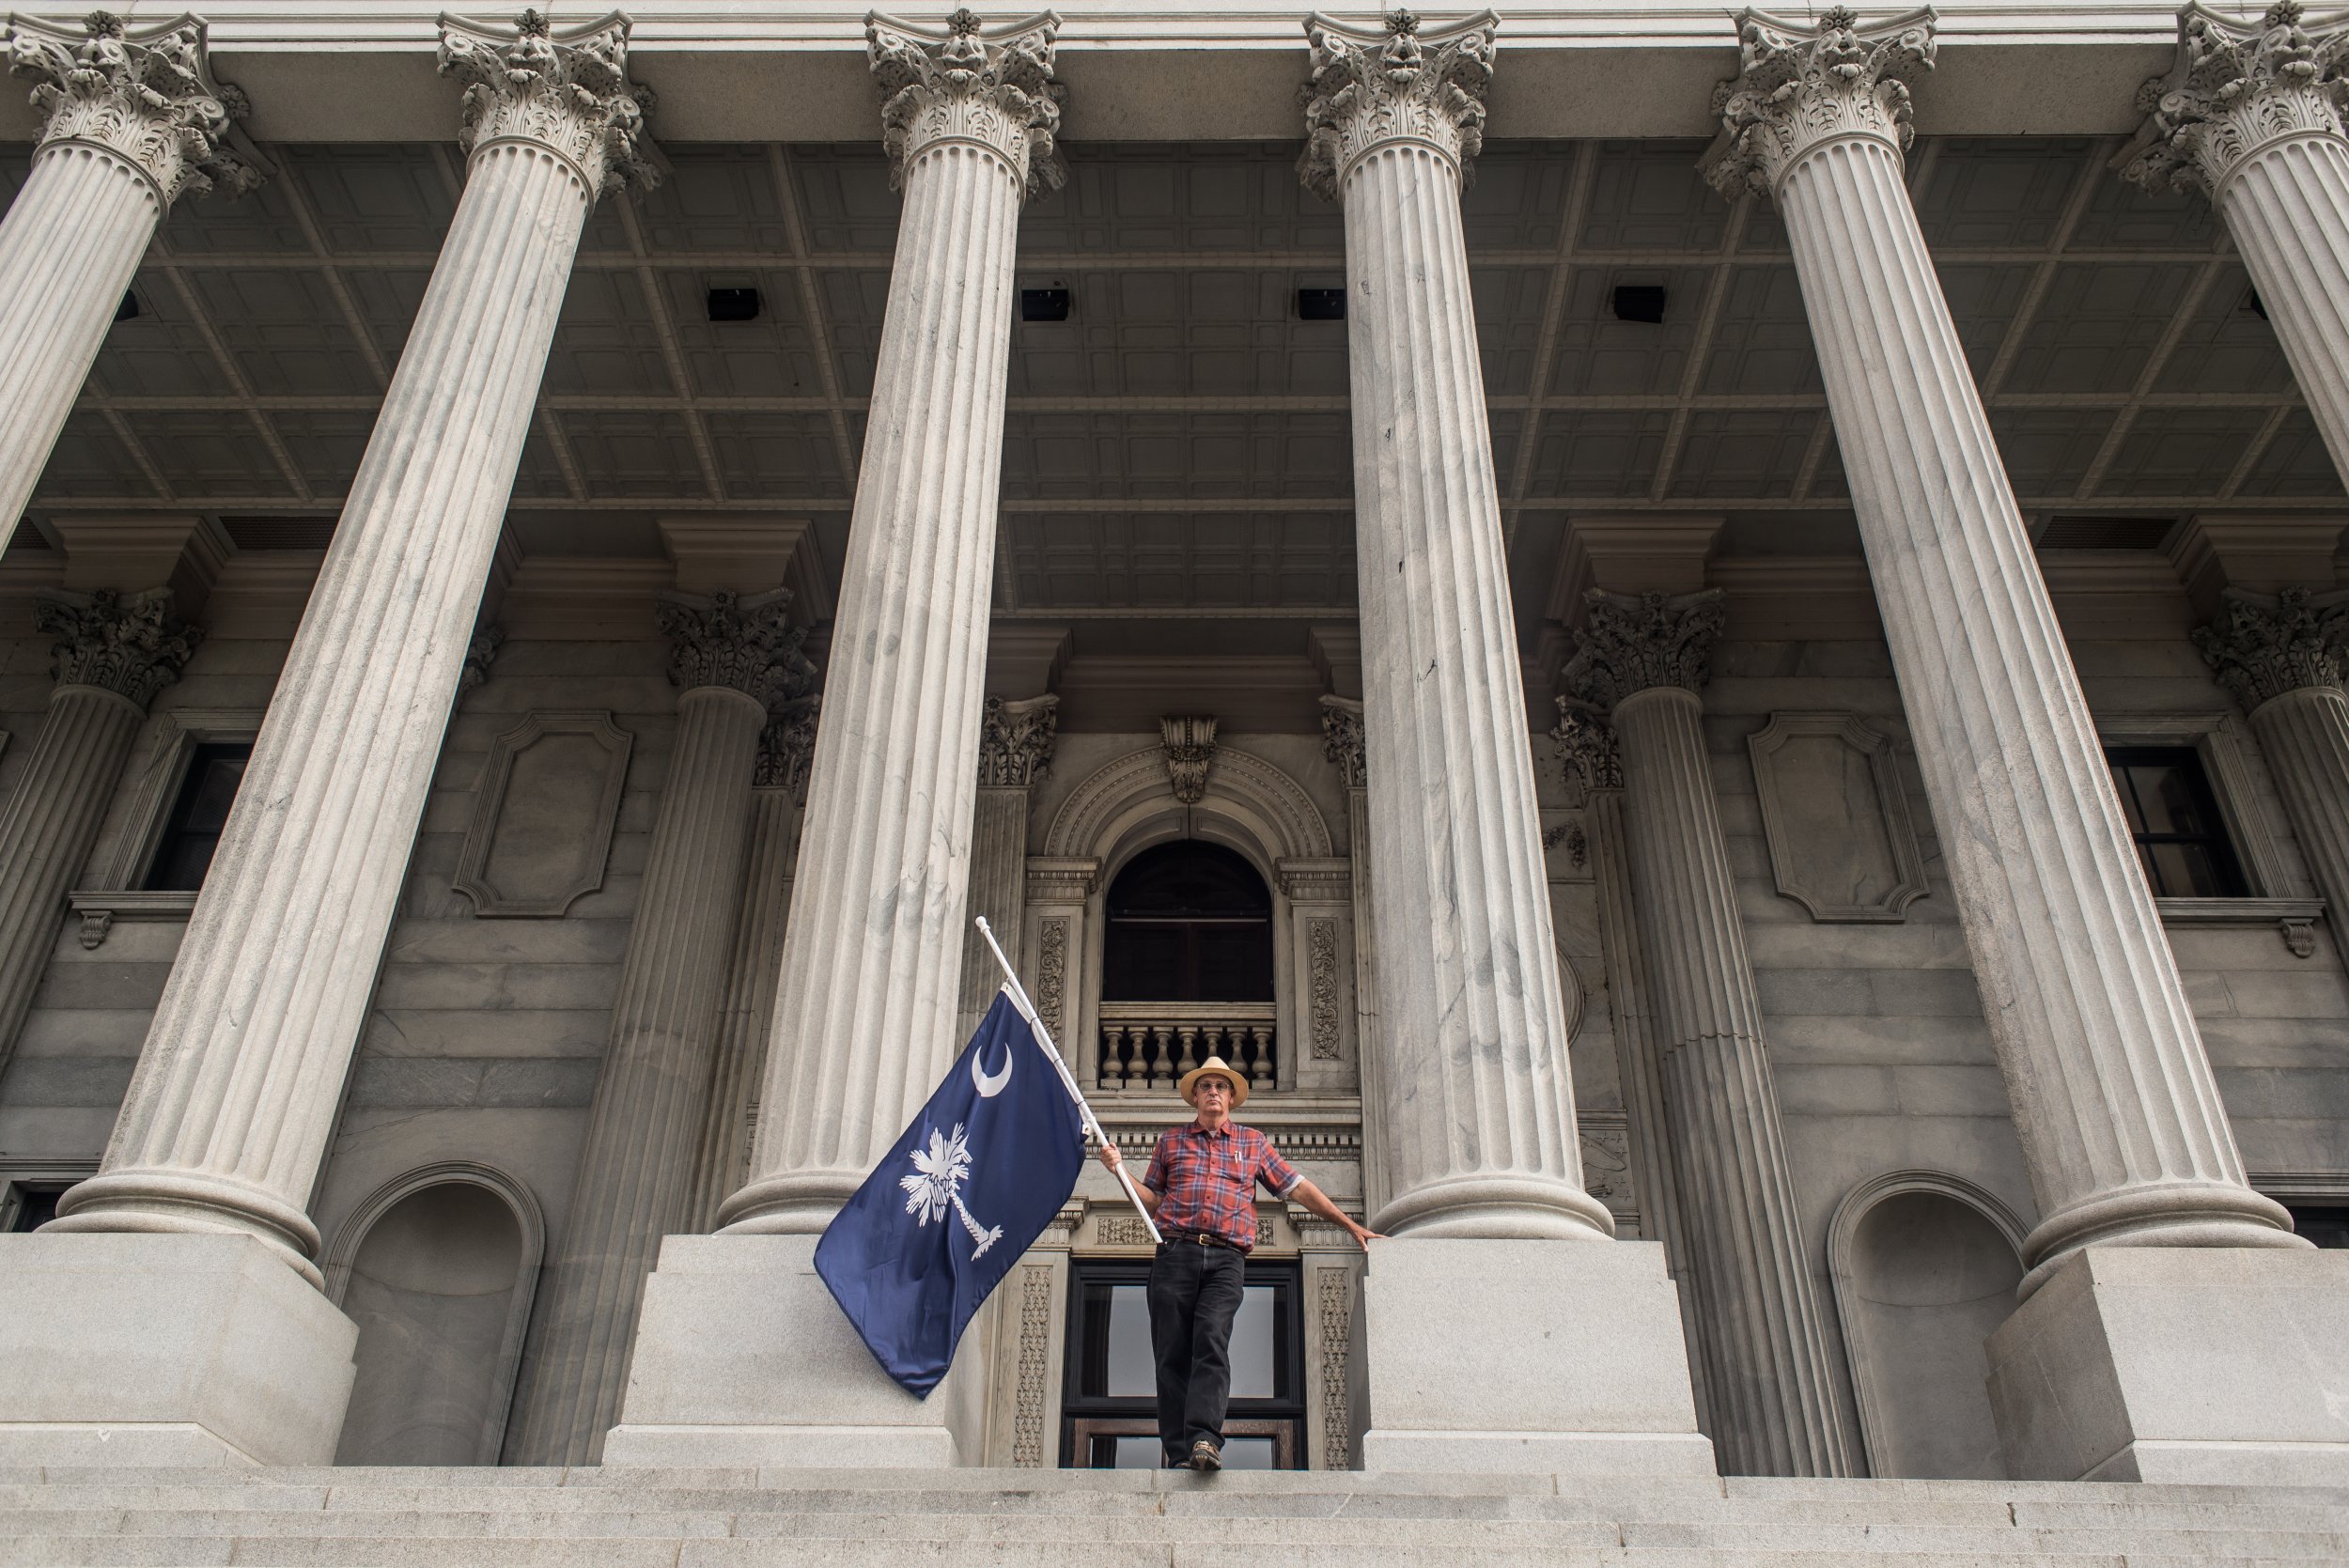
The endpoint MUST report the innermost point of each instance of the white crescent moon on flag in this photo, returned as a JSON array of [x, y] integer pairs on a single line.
[[989, 1087]]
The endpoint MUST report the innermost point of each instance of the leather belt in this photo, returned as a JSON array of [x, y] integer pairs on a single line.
[[1201, 1238]]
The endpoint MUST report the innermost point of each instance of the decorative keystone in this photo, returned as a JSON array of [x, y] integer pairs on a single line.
[[131, 644], [566, 89], [1398, 81], [1633, 642], [967, 82], [787, 747], [1588, 749], [1341, 740], [1190, 745], [743, 643], [1800, 86], [1015, 740], [2236, 88], [145, 94], [2261, 646]]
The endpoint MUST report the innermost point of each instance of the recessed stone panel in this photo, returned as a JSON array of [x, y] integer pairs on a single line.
[[1841, 840], [543, 815]]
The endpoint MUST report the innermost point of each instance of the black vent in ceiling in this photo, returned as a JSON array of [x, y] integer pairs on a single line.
[[1321, 304], [733, 304], [1639, 302], [1044, 304]]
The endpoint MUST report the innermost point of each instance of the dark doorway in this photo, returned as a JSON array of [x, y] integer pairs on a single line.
[[1187, 922]]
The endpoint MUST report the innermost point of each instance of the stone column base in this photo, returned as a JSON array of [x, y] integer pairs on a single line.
[[1558, 1357], [743, 1358], [2202, 1365], [124, 1348]]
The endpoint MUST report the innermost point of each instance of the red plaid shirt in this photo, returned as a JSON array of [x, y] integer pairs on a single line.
[[1204, 1180]]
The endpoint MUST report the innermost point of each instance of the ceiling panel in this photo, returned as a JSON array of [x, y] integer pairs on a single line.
[[1744, 455], [635, 455], [844, 197], [1762, 345], [160, 353], [1164, 561], [1516, 195], [1160, 455], [1648, 196], [1583, 453], [89, 459], [2099, 324], [2227, 345], [2181, 452], [2121, 217], [1212, 198], [368, 200], [1983, 298], [1509, 303], [608, 341], [284, 330], [771, 455], [208, 453], [2295, 463], [715, 198], [771, 356], [2005, 193], [1147, 333], [325, 446], [1597, 355], [2047, 451]]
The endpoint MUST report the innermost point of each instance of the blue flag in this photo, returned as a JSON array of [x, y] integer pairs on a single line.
[[964, 1191]]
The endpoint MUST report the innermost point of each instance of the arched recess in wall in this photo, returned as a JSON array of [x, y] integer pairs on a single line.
[[1925, 1266], [438, 1268]]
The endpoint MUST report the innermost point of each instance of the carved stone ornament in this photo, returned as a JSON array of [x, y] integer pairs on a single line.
[[967, 82], [1190, 746], [2237, 87], [143, 93], [1373, 87], [743, 642], [787, 747], [1341, 740], [1632, 643], [480, 655], [131, 644], [1015, 740], [1587, 752], [2261, 646], [1321, 945], [565, 88], [1800, 86]]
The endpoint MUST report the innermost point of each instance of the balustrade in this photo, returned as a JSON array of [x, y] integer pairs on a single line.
[[1151, 1045]]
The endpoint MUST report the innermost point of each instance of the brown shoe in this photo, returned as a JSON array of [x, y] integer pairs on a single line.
[[1205, 1456]]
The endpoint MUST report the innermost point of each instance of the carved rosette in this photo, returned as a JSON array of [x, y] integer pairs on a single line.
[[1190, 746], [2261, 646], [566, 89], [1371, 88], [1015, 740], [144, 93], [1588, 751], [2236, 88], [787, 747], [990, 86], [1341, 740], [131, 644], [1635, 642], [1799, 87], [745, 642]]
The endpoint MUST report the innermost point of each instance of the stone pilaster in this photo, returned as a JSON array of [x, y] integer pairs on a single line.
[[235, 1091], [1761, 1336], [132, 118], [112, 653], [734, 659], [2119, 1120], [1342, 745], [2251, 115], [1015, 753]]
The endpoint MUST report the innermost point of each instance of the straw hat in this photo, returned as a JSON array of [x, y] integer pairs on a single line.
[[1216, 1065]]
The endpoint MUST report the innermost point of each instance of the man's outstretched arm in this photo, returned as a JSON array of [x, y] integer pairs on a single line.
[[1317, 1201], [1110, 1160]]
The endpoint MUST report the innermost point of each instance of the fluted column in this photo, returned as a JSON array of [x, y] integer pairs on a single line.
[[2250, 116], [2281, 656], [1015, 755], [1477, 1096], [112, 653], [734, 659], [2120, 1121], [1763, 1339], [132, 118], [235, 1094], [872, 968], [1342, 744]]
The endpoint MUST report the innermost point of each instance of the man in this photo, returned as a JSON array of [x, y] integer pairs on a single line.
[[1198, 1187]]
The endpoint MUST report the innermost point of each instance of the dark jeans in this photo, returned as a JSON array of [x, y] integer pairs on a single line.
[[1194, 1294]]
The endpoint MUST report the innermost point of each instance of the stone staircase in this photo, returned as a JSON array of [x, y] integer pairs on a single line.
[[599, 1518]]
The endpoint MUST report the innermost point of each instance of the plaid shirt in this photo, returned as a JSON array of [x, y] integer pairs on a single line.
[[1203, 1180]]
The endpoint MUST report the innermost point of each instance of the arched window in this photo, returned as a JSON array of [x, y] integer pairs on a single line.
[[1187, 922]]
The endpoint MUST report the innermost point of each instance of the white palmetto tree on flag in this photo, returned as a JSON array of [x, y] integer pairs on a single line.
[[936, 1186]]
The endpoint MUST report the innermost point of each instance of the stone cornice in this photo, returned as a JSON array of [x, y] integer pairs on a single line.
[[131, 644], [1371, 88], [967, 82], [787, 745], [1341, 740], [1015, 740], [2261, 646], [2236, 88], [1588, 751], [741, 642], [1800, 86], [1630, 643], [565, 89], [145, 93]]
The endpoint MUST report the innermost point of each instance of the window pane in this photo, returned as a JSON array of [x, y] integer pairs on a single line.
[[2326, 1227], [2183, 871], [2168, 796], [2128, 798], [1246, 1453], [1252, 1347], [1121, 1453], [191, 834], [1117, 1359]]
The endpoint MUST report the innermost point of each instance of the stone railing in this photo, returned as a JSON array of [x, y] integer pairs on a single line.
[[1150, 1045]]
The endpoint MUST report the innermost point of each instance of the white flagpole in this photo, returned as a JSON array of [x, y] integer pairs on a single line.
[[1068, 1081]]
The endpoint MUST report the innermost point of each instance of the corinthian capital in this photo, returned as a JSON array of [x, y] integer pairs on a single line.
[[566, 89], [131, 644], [144, 93], [787, 745], [1799, 86], [1635, 642], [1015, 740], [1341, 740], [734, 641], [1588, 751], [2237, 87], [967, 82], [2261, 646], [1371, 88]]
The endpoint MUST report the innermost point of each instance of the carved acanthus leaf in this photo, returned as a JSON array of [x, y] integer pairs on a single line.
[[744, 642], [1634, 642], [786, 746], [1395, 83], [1588, 751], [565, 88], [1800, 85], [2236, 86], [1341, 740], [1190, 745], [2261, 646], [131, 644], [480, 655], [145, 93], [1015, 740], [970, 82]]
